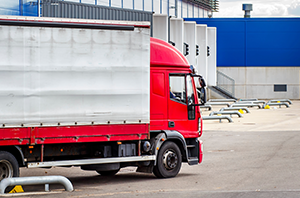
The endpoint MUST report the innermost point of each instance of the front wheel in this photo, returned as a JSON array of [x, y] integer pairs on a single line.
[[168, 161]]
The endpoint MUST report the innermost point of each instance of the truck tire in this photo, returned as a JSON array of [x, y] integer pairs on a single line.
[[108, 173], [169, 161], [9, 167]]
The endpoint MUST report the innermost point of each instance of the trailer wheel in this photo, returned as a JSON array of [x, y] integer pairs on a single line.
[[9, 167], [168, 161], [108, 173]]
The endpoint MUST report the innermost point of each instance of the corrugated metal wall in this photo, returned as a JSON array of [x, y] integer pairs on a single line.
[[64, 9], [263, 42]]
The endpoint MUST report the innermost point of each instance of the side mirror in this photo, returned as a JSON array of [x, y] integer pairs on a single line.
[[202, 82]]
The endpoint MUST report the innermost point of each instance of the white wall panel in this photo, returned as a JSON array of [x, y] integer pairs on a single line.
[[258, 82], [128, 4], [176, 33], [190, 11], [165, 7], [101, 2], [212, 59], [88, 1], [116, 3], [190, 39], [160, 26], [202, 42], [179, 10], [184, 10], [171, 7], [148, 5], [138, 4], [156, 6]]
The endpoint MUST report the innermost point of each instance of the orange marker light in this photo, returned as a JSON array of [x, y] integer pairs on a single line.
[[162, 139], [119, 143], [157, 148]]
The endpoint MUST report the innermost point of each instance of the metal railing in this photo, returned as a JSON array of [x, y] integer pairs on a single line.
[[225, 83], [212, 5], [55, 179]]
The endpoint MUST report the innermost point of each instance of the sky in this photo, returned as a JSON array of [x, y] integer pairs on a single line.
[[261, 8]]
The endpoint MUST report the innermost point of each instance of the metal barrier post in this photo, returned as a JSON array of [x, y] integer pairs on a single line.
[[217, 118], [36, 180]]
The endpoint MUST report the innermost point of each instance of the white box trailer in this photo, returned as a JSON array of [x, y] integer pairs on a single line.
[[66, 76]]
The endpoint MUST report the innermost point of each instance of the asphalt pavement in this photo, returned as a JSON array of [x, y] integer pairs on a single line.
[[255, 156]]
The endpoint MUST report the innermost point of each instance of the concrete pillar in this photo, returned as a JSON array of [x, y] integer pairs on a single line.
[[212, 58], [190, 39], [201, 38], [176, 33], [160, 26]]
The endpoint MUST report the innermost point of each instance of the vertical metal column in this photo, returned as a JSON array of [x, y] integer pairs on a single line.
[[176, 8], [168, 10], [160, 6], [39, 8], [21, 7], [151, 5], [193, 11]]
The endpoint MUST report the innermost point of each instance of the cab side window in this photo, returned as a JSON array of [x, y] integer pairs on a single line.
[[178, 88]]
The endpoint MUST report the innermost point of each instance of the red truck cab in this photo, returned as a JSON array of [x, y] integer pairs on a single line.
[[172, 89], [174, 106]]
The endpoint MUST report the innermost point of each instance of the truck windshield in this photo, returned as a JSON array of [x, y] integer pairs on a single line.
[[190, 92], [190, 97]]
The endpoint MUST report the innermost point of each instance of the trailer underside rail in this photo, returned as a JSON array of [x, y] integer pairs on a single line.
[[91, 161]]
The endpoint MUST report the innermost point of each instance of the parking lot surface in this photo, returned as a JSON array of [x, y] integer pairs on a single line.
[[255, 156]]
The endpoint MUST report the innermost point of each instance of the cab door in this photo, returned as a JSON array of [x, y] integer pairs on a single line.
[[181, 115]]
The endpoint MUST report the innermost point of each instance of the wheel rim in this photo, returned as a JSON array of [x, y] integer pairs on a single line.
[[6, 169], [170, 159]]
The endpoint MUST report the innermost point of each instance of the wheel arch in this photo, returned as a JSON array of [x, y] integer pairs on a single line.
[[16, 152], [175, 137], [179, 140]]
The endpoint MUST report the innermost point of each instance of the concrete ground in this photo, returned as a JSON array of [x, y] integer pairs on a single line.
[[255, 156], [273, 119]]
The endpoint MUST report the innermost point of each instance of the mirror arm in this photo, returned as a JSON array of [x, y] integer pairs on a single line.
[[195, 105]]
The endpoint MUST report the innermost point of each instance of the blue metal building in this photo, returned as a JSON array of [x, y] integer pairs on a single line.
[[262, 55], [256, 41], [19, 7]]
